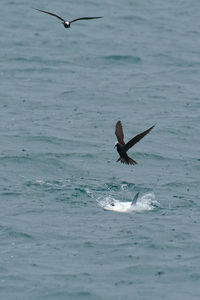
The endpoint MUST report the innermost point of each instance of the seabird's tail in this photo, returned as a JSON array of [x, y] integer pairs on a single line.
[[135, 199], [130, 161]]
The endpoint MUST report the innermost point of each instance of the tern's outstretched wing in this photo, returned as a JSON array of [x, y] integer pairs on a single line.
[[85, 18], [46, 12], [119, 133], [137, 138]]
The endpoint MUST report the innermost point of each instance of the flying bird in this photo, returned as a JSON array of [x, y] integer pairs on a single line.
[[67, 24], [122, 148]]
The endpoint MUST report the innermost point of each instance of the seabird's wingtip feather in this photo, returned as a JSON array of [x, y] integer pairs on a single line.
[[119, 132]]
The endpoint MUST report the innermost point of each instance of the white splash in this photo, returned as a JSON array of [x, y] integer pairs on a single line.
[[146, 202], [89, 193]]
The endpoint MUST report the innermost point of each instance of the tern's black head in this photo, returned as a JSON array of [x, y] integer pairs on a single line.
[[66, 24]]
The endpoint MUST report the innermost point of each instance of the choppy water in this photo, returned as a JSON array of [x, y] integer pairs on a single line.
[[62, 92]]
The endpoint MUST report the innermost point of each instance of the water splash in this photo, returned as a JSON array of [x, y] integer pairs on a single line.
[[144, 203]]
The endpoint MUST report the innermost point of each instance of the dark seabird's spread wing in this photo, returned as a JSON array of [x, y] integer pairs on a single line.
[[85, 18], [46, 12], [137, 138], [119, 133]]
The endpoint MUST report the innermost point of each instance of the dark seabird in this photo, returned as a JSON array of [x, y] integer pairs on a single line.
[[122, 148], [67, 23]]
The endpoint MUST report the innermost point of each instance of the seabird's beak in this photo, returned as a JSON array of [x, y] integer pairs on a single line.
[[115, 145]]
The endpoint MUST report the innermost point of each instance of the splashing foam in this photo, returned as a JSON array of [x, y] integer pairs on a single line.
[[146, 202]]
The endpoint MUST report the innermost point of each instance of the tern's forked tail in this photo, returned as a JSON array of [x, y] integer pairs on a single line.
[[129, 161]]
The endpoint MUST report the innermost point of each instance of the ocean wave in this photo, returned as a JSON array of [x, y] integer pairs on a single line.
[[122, 58]]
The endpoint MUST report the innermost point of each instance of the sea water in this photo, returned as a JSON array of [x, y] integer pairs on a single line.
[[62, 92]]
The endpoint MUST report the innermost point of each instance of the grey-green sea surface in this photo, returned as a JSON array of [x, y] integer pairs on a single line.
[[62, 91]]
